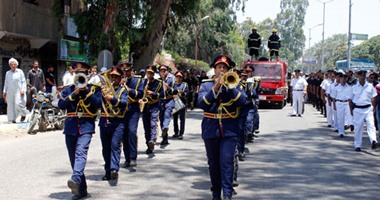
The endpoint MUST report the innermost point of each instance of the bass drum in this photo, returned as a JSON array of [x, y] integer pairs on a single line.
[[178, 105]]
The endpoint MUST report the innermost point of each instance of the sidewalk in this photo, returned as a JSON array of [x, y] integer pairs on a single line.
[[7, 128]]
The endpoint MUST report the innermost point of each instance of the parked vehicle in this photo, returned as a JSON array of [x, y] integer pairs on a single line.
[[273, 76], [356, 65], [44, 114]]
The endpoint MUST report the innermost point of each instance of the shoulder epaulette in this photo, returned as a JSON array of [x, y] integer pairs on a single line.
[[137, 76], [257, 78], [207, 80]]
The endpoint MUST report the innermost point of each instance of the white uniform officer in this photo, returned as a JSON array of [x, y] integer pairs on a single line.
[[362, 106], [325, 86], [332, 91], [342, 95], [299, 86]]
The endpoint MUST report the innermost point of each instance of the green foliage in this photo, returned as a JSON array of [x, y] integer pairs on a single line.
[[369, 49], [291, 19]]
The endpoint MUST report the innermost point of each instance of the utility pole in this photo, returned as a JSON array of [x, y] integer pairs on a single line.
[[323, 35], [349, 38], [323, 30]]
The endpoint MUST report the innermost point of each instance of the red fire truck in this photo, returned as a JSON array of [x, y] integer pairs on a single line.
[[274, 84]]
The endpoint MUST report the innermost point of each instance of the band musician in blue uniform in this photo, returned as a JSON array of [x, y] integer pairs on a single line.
[[167, 102], [221, 107], [111, 123], [149, 104], [135, 87], [183, 90], [82, 102]]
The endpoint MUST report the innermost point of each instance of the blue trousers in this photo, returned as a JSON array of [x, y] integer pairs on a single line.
[[111, 137], [165, 115], [130, 135], [77, 147], [181, 114], [150, 118], [249, 123], [256, 119], [220, 154], [242, 134]]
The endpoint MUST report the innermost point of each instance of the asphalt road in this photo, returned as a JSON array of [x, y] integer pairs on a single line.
[[293, 158]]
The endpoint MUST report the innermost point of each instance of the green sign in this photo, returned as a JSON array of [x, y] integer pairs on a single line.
[[356, 36], [70, 51]]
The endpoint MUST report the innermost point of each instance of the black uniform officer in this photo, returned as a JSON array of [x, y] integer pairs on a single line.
[[82, 102], [183, 89], [153, 91], [221, 110], [135, 87], [274, 44], [254, 43], [111, 123]]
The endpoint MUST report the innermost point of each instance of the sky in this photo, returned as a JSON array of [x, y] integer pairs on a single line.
[[364, 17]]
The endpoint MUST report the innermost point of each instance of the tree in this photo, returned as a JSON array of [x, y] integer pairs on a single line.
[[138, 27], [291, 19]]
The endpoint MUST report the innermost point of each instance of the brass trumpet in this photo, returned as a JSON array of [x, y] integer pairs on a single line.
[[80, 80], [230, 80]]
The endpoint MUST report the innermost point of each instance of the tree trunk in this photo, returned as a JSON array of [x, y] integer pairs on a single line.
[[109, 23], [145, 50]]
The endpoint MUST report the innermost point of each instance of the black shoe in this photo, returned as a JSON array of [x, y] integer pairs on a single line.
[[227, 198], [241, 156], [257, 131], [346, 127], [358, 149], [151, 146], [374, 145], [106, 177], [235, 184], [133, 163], [127, 164], [79, 196], [352, 127], [293, 115], [164, 142], [148, 151], [73, 186], [180, 137], [175, 135], [114, 175], [341, 135], [299, 115], [165, 132], [22, 119], [336, 131], [329, 125], [14, 121]]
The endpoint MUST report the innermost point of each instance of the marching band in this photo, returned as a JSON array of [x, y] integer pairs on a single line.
[[118, 98]]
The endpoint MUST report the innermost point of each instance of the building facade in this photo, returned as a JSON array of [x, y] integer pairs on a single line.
[[29, 31]]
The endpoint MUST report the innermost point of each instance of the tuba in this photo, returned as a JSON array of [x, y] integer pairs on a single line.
[[230, 80], [109, 90]]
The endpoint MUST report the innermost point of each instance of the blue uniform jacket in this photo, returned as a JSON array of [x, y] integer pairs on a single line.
[[220, 112], [167, 100], [81, 109], [136, 86], [119, 103], [158, 92], [185, 90]]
